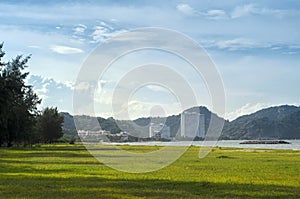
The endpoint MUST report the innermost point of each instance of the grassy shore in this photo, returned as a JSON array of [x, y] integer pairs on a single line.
[[69, 171]]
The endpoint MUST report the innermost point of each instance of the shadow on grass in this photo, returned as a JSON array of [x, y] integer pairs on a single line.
[[73, 173], [93, 187], [7, 163]]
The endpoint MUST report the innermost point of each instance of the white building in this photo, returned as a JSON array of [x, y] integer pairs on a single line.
[[83, 133], [192, 125], [159, 130]]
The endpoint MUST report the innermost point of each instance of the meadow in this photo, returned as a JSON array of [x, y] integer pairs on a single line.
[[69, 171]]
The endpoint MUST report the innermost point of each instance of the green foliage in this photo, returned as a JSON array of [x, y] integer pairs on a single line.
[[68, 139], [282, 122], [72, 140], [109, 124], [68, 127], [291, 125], [49, 124], [89, 123], [18, 102]]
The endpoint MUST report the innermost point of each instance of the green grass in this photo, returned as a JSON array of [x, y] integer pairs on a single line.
[[69, 171]]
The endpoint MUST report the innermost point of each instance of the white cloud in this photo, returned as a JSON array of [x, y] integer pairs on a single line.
[[42, 92], [237, 12], [114, 20], [100, 85], [52, 92], [79, 29], [82, 86], [35, 46], [216, 14], [69, 84], [102, 23], [137, 109], [66, 50], [276, 48], [237, 44], [250, 9], [157, 88], [186, 9], [240, 11], [103, 99], [104, 32], [290, 53], [210, 14], [252, 108], [294, 46], [245, 110]]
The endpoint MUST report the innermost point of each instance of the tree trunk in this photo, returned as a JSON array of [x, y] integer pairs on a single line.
[[9, 144]]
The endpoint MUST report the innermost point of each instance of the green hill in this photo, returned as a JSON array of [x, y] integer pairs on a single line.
[[282, 122]]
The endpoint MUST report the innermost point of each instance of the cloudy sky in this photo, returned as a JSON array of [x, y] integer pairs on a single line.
[[255, 46]]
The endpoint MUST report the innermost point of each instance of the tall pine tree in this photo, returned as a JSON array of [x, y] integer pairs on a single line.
[[49, 125], [18, 102]]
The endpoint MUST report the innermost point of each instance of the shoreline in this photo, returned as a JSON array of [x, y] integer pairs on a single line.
[[294, 144], [265, 142]]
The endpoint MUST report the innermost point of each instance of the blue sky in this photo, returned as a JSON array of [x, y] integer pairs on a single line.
[[254, 44]]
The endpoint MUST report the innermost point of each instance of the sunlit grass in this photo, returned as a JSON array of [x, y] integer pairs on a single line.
[[69, 171]]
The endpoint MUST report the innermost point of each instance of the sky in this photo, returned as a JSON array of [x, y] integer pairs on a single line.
[[255, 46]]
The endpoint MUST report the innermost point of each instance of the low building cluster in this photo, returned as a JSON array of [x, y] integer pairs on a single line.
[[192, 126], [84, 133]]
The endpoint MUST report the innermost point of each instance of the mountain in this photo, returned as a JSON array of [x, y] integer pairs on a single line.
[[139, 126], [85, 122], [68, 124], [281, 122], [142, 124]]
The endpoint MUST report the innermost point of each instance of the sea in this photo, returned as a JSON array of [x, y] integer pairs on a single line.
[[294, 144]]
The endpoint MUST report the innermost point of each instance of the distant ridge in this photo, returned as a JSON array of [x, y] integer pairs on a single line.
[[280, 122]]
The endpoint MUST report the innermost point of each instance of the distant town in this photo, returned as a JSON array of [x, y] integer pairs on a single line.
[[272, 123], [157, 131]]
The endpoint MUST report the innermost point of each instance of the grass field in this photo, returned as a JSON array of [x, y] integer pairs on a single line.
[[69, 171]]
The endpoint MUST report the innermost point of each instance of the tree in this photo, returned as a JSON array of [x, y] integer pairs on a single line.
[[18, 104], [3, 101], [49, 124]]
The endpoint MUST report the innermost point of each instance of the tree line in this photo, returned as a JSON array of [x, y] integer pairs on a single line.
[[21, 123]]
